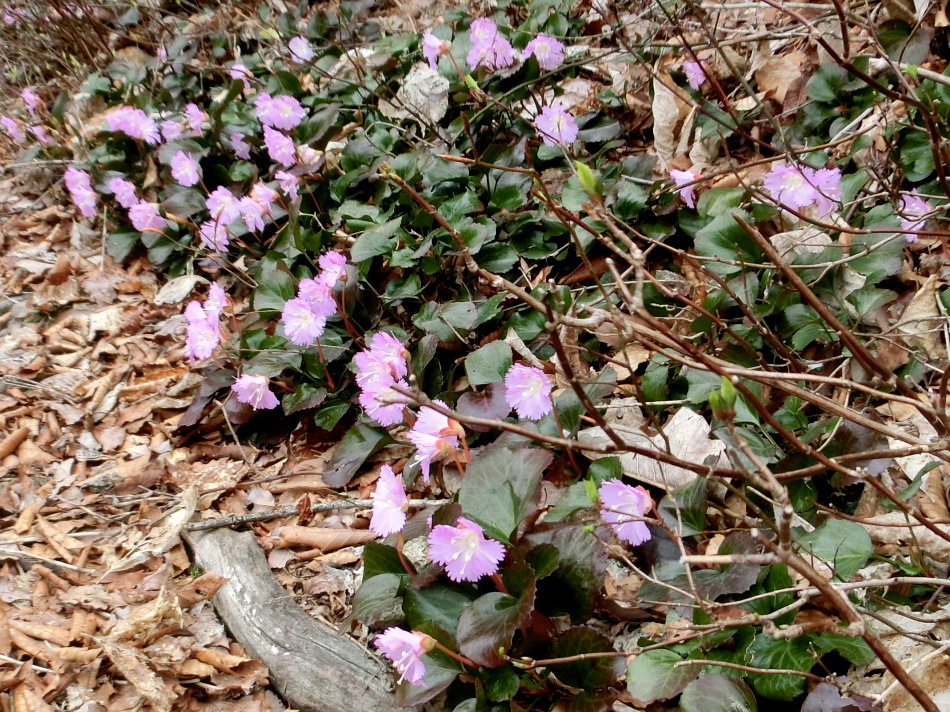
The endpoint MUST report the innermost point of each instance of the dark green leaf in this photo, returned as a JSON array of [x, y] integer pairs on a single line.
[[684, 508], [438, 604], [120, 242], [780, 654], [329, 415], [572, 586], [500, 683], [852, 649], [591, 673], [845, 545], [380, 559], [305, 396], [653, 675], [489, 624], [489, 364], [377, 600], [360, 442], [718, 693], [376, 240]]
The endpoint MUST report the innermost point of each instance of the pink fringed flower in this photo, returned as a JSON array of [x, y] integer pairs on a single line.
[[333, 268], [171, 130], [490, 49], [383, 403], [913, 210], [279, 112], [12, 128], [223, 205], [687, 192], [622, 507], [80, 190], [124, 192], [252, 213], [145, 216], [300, 49], [288, 183], [185, 169], [42, 135], [214, 235], [265, 196], [695, 74], [134, 123], [548, 51], [464, 551], [433, 48], [389, 504], [528, 391], [254, 391], [30, 99], [405, 650], [789, 186], [197, 119], [827, 183], [379, 368], [434, 436], [203, 334], [241, 73], [302, 325], [241, 148], [280, 147], [556, 125]]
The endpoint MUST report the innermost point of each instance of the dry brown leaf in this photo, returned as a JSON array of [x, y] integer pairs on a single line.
[[220, 660], [163, 536], [148, 619], [134, 668], [324, 539], [26, 699], [668, 114], [779, 73], [199, 589], [921, 325], [52, 633]]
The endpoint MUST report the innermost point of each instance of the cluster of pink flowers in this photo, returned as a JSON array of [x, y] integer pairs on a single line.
[[380, 367], [80, 190], [279, 112], [134, 123], [124, 192], [185, 169], [623, 507], [254, 391], [490, 49], [389, 504], [683, 181], [171, 130], [913, 212], [464, 551], [280, 147], [145, 216], [305, 316], [433, 48], [556, 125], [797, 188], [405, 649], [528, 391], [203, 333], [435, 436]]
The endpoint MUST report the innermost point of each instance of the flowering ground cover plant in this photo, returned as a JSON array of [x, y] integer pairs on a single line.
[[460, 291]]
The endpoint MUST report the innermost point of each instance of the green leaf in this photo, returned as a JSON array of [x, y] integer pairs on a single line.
[[377, 600], [275, 283], [329, 415], [489, 624], [723, 237], [652, 676], [780, 654], [380, 559], [500, 683], [438, 604], [845, 545], [916, 156], [360, 442], [376, 240], [489, 364], [272, 363], [718, 693], [120, 242], [184, 203], [574, 499], [571, 588], [852, 649], [305, 396], [501, 487], [684, 508], [591, 673]]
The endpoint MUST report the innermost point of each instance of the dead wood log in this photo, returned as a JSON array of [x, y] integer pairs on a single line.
[[315, 668]]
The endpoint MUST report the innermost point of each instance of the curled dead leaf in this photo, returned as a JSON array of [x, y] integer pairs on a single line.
[[323, 538]]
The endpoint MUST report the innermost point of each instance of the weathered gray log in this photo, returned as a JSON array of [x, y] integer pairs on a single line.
[[315, 668]]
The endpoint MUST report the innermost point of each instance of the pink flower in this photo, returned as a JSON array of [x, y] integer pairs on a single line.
[[433, 48], [302, 325], [464, 551], [379, 368], [241, 148], [288, 183], [203, 333], [280, 148], [240, 72], [695, 74], [124, 192], [265, 196], [528, 391], [389, 504], [300, 49], [548, 51], [482, 31], [490, 49], [434, 436], [254, 391], [12, 128], [252, 213], [145, 216], [42, 135], [318, 295], [622, 507], [687, 192], [556, 125], [333, 268], [80, 190], [309, 156], [171, 130], [134, 123], [214, 235], [280, 112], [913, 211], [223, 205], [196, 119], [185, 169], [790, 187], [30, 99], [405, 651], [827, 184], [383, 403]]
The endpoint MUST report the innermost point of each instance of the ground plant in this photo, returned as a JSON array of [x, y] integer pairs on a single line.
[[637, 312]]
